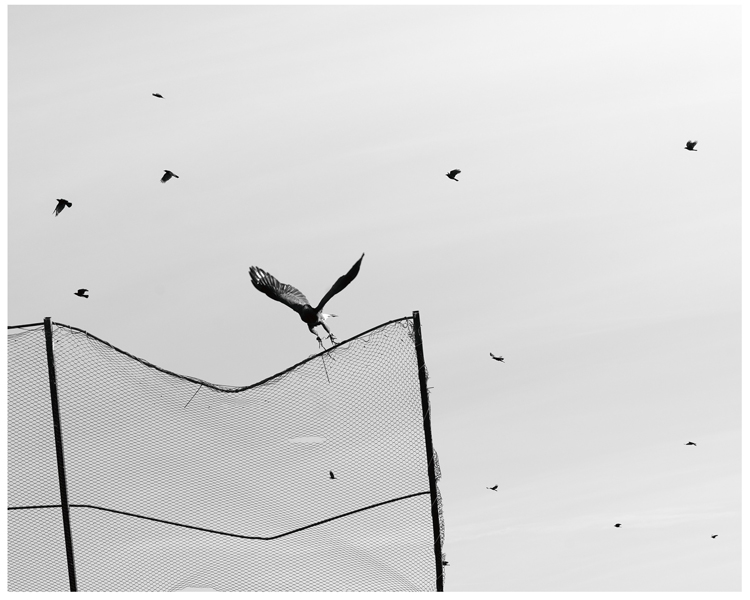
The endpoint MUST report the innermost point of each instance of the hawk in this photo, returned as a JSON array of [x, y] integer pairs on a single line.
[[296, 300]]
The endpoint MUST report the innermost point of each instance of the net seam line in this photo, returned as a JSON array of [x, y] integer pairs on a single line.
[[37, 506], [237, 535], [217, 387]]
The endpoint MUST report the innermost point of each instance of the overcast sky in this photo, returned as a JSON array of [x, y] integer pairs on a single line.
[[582, 242]]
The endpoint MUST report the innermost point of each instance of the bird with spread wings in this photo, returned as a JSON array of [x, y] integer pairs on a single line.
[[296, 300], [168, 175], [61, 204], [691, 146]]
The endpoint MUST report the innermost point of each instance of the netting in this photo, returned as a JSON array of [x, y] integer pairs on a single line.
[[173, 482]]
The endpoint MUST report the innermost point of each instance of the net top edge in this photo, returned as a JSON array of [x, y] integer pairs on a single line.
[[218, 387]]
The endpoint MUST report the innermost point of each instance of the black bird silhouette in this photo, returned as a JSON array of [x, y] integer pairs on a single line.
[[158, 96], [691, 146], [500, 358], [493, 488], [691, 444], [82, 293], [452, 174], [618, 524], [446, 563], [294, 299], [331, 474], [61, 204], [167, 176], [714, 536]]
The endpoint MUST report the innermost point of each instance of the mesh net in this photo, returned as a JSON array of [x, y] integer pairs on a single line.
[[174, 482]]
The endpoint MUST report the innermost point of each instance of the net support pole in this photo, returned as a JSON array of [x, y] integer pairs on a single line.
[[429, 449], [60, 457]]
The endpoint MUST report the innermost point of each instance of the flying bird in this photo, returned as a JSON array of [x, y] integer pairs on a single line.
[[452, 174], [294, 299], [167, 176], [691, 146], [493, 488], [446, 563], [158, 96], [61, 204], [691, 444], [500, 358], [714, 536], [331, 474], [618, 524], [82, 293]]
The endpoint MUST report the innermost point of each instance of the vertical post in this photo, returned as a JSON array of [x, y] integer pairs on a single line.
[[60, 458], [429, 449]]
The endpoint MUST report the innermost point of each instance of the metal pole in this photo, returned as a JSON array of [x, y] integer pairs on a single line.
[[429, 449], [60, 458]]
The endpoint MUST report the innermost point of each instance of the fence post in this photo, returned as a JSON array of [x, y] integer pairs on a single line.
[[429, 449], [60, 457]]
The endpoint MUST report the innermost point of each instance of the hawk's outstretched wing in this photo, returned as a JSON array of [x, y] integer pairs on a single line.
[[341, 283], [281, 292]]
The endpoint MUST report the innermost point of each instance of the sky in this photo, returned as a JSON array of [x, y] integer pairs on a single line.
[[582, 242]]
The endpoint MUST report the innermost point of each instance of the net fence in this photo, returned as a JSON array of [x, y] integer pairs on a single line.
[[175, 483]]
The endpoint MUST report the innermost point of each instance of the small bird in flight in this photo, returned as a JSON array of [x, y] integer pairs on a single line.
[[618, 524], [61, 204], [167, 176], [500, 358], [294, 299], [714, 536], [158, 96], [691, 146], [691, 444], [331, 474], [493, 488], [452, 174], [446, 563], [82, 293]]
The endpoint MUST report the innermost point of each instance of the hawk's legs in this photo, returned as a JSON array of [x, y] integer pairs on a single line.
[[317, 337], [330, 335]]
